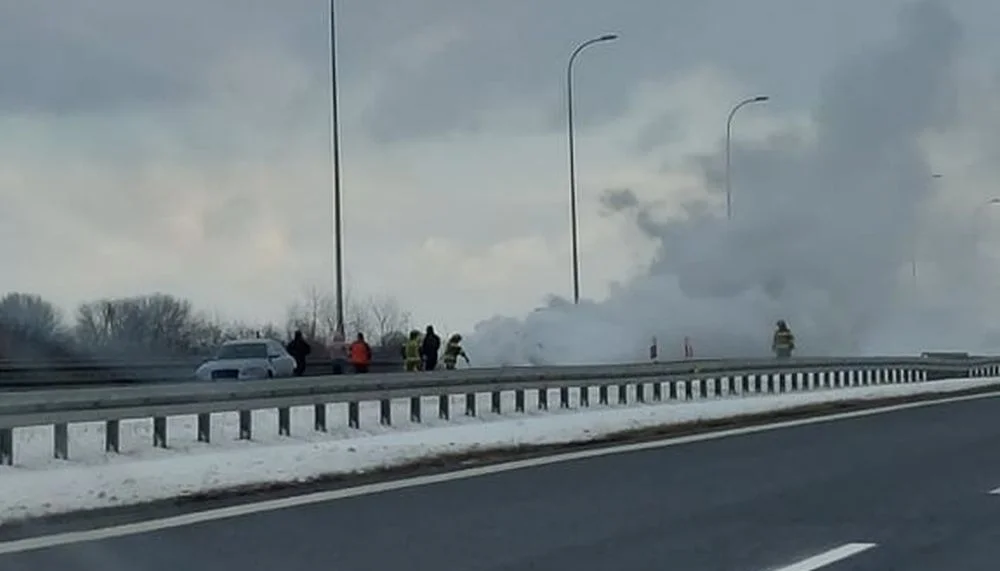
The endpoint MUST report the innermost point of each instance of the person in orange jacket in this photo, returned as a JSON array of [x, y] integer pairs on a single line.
[[360, 354]]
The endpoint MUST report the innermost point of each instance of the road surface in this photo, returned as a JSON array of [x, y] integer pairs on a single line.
[[907, 490]]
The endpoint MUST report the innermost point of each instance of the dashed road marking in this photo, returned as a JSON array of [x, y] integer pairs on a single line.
[[828, 557]]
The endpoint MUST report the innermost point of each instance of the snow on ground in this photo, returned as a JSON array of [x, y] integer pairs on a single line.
[[38, 485]]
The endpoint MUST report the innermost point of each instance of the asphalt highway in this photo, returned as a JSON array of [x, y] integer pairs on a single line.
[[906, 490]]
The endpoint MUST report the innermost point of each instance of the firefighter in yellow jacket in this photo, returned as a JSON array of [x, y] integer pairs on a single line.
[[784, 341], [452, 351], [411, 352]]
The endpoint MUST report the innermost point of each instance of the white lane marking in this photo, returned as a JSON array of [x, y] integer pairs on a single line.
[[829, 557], [54, 540]]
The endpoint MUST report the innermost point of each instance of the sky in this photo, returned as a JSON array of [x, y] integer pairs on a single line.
[[185, 147]]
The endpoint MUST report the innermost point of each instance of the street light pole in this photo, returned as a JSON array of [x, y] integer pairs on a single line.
[[572, 159], [729, 143], [338, 227]]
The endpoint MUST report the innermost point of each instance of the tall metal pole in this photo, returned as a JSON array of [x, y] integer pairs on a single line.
[[729, 143], [572, 160], [338, 222]]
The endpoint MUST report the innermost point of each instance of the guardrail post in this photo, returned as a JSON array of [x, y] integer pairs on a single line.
[[112, 431], [718, 382], [543, 399], [159, 432], [703, 388], [623, 393], [519, 400], [689, 389], [6, 446], [602, 394], [284, 421], [246, 425], [470, 404], [495, 402], [584, 396], [415, 409], [444, 407], [640, 392], [563, 397], [657, 391], [672, 390], [319, 417], [60, 435], [353, 415], [732, 385], [205, 427], [385, 412], [782, 382]]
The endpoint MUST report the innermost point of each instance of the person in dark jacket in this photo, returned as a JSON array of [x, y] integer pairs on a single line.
[[429, 349], [299, 349]]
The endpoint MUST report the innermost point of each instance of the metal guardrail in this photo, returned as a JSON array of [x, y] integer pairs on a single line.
[[684, 380], [33, 375]]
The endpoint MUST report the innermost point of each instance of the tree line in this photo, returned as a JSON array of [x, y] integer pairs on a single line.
[[163, 326]]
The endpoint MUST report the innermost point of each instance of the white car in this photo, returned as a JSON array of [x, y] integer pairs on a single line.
[[248, 360]]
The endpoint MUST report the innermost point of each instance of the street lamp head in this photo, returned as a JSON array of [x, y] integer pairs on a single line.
[[762, 98], [608, 37], [994, 201], [937, 175]]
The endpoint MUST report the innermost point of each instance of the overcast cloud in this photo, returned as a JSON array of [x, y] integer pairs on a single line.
[[184, 146]]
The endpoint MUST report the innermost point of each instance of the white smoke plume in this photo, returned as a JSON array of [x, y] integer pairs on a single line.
[[821, 236]]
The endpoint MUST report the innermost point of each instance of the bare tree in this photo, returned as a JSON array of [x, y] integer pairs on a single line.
[[388, 317], [29, 315], [314, 314], [357, 316], [157, 323], [32, 328]]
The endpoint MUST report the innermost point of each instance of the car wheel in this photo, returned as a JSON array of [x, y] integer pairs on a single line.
[[270, 374]]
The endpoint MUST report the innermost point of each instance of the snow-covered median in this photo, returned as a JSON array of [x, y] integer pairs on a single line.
[[144, 474]]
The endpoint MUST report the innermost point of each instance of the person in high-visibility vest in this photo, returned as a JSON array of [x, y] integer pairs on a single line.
[[452, 351], [784, 341], [411, 352]]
